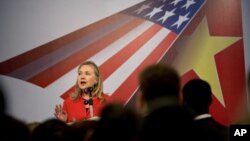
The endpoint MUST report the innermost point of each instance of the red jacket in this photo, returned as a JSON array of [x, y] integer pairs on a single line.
[[76, 109]]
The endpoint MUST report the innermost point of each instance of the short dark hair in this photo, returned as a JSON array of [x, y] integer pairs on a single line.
[[159, 80], [197, 93]]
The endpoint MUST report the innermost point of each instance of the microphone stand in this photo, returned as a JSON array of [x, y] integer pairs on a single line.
[[90, 101], [91, 105]]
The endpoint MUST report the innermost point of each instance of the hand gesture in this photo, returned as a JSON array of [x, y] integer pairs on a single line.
[[60, 113]]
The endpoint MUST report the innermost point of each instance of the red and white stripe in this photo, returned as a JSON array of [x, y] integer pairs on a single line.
[[121, 45]]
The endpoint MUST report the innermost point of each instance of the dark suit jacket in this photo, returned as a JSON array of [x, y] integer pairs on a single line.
[[167, 123], [208, 129]]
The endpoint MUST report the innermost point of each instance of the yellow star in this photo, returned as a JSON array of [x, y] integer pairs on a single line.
[[197, 52]]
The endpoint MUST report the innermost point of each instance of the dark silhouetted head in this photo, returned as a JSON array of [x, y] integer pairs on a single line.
[[159, 80], [197, 94]]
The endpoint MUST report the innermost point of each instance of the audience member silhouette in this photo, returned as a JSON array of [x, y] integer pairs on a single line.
[[117, 123], [197, 98], [51, 130], [82, 130], [2, 102], [33, 125], [11, 128], [164, 117]]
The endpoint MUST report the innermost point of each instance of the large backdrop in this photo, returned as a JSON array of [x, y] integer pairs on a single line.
[[43, 42]]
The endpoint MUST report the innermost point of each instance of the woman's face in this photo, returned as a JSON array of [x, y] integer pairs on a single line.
[[86, 77]]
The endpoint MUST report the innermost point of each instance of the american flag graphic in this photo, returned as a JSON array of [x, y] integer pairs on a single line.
[[121, 45]]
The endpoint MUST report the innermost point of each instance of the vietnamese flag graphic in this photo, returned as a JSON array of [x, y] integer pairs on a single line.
[[211, 48]]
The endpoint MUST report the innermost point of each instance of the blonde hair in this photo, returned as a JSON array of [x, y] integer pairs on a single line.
[[98, 88]]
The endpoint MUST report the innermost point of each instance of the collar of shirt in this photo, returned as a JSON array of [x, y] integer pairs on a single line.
[[202, 116]]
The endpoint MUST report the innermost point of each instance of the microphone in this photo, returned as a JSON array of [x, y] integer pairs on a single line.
[[88, 90]]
